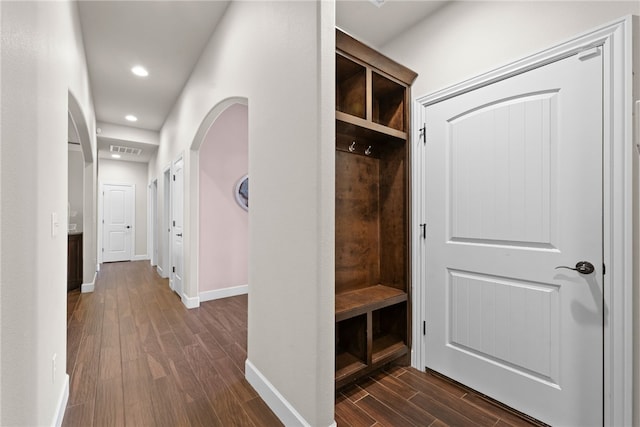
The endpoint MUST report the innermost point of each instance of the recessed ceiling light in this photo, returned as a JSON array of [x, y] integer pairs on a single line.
[[140, 71], [115, 156], [131, 118]]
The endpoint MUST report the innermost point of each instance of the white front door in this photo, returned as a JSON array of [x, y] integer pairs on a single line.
[[512, 190], [118, 224], [177, 217]]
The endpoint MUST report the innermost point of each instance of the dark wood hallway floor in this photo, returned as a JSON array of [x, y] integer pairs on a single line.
[[137, 357]]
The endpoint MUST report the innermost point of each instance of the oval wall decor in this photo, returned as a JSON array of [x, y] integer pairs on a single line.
[[242, 192]]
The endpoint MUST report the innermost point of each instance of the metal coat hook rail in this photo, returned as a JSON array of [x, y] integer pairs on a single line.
[[367, 152]]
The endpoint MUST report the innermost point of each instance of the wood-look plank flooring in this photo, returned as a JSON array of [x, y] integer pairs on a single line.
[[137, 357]]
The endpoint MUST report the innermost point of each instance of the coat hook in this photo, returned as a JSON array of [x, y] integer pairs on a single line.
[[367, 152], [352, 147]]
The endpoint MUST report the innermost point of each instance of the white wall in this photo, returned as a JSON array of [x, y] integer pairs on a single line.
[[120, 172], [75, 186], [279, 56], [128, 133], [465, 39], [42, 61], [224, 225]]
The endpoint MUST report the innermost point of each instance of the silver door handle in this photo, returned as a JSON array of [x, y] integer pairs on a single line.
[[582, 267]]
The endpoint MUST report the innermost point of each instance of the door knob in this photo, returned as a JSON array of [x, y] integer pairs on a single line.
[[179, 234], [582, 267], [128, 226]]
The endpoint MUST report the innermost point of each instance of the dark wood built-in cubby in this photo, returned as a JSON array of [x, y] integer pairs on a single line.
[[372, 210], [74, 261]]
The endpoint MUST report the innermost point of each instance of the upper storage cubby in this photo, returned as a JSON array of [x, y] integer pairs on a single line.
[[388, 98], [372, 91], [351, 87]]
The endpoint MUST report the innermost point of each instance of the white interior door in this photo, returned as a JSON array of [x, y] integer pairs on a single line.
[[513, 189], [118, 217], [177, 208]]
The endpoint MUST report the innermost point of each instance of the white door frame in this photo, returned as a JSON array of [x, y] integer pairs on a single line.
[[152, 221], [615, 39], [101, 219], [165, 235]]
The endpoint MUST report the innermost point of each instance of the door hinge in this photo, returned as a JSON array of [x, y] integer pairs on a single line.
[[424, 230], [174, 223], [174, 177], [604, 269], [174, 269], [423, 133], [102, 249], [424, 327]]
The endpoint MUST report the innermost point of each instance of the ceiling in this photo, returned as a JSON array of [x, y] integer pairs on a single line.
[[168, 37], [375, 25]]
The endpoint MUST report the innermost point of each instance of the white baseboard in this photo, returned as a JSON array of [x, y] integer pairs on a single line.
[[160, 272], [224, 293], [89, 287], [62, 403], [272, 397], [140, 258], [98, 267], [190, 302]]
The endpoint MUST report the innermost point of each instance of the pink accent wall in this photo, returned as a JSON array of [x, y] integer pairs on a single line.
[[224, 225]]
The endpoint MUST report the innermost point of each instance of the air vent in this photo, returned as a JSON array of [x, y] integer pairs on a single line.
[[125, 150]]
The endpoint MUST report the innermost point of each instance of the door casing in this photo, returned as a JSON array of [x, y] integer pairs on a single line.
[[616, 41], [101, 220], [177, 202]]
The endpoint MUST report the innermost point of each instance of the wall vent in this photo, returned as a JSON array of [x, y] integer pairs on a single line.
[[125, 150]]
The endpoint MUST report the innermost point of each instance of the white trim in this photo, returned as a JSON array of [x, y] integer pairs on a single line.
[[616, 39], [89, 287], [618, 224], [155, 228], [417, 248], [166, 226], [150, 222], [140, 257], [224, 293], [101, 218], [190, 302], [62, 403], [272, 397], [160, 271]]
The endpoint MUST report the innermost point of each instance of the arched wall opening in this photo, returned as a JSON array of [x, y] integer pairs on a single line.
[[221, 151], [88, 226]]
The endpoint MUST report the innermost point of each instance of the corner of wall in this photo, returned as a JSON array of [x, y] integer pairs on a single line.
[[89, 287], [62, 403], [272, 397], [190, 302]]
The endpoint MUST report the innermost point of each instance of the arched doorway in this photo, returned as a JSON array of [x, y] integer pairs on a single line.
[[220, 151], [78, 126]]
